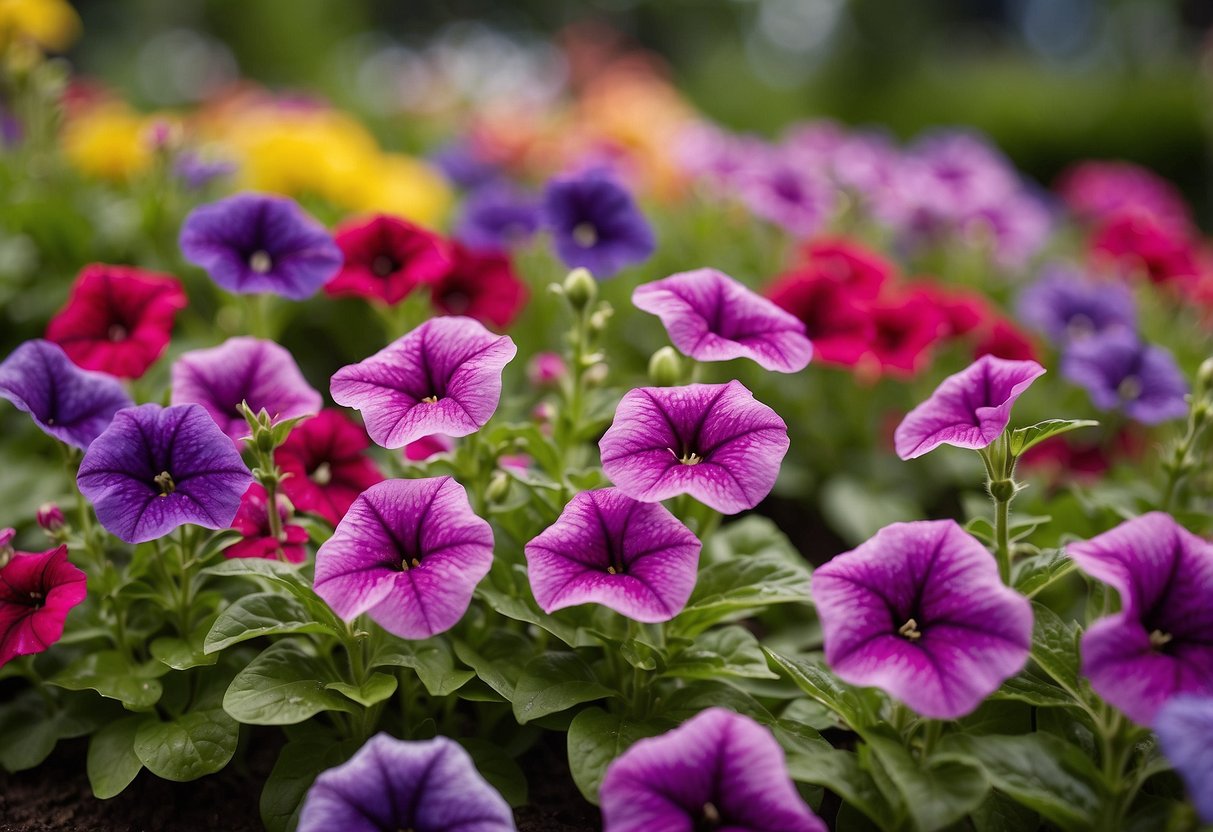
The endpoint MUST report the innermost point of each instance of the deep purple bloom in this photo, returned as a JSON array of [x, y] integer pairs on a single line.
[[498, 218], [1185, 731], [919, 611], [243, 370], [1160, 644], [251, 243], [712, 317], [68, 403], [606, 548], [461, 162], [443, 377], [409, 553], [196, 172], [391, 784], [1119, 371], [718, 770], [969, 409], [595, 224], [796, 198], [712, 441], [1065, 304], [156, 468]]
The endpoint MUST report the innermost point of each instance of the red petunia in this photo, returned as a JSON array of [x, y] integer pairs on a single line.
[[118, 319], [862, 272], [964, 312], [906, 327], [253, 521], [1136, 243], [1002, 339], [836, 321], [36, 593], [328, 466], [386, 258], [481, 285]]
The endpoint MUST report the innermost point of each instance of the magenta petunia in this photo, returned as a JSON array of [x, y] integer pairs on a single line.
[[969, 409], [327, 465], [443, 377], [37, 591], [712, 317], [156, 468], [409, 553], [712, 441], [253, 521], [606, 548], [68, 403], [919, 611], [1160, 644], [719, 770], [243, 370]]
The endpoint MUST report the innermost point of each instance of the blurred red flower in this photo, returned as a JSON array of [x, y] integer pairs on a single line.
[[328, 465], [481, 285], [386, 258]]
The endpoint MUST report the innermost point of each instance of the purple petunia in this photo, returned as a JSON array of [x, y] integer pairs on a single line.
[[919, 611], [719, 770], [498, 218], [1185, 731], [243, 370], [1065, 304], [951, 174], [66, 402], [712, 441], [443, 377], [409, 553], [196, 172], [1158, 645], [606, 548], [712, 317], [1121, 372], [796, 198], [253, 243], [595, 224], [391, 784], [156, 468], [969, 409]]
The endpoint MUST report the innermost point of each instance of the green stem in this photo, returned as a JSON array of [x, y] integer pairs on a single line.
[[1002, 543]]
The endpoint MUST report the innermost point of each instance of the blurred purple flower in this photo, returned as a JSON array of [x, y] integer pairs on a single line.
[[869, 165], [498, 218], [704, 150], [196, 172], [952, 174], [1015, 228], [461, 163], [1121, 372], [156, 468], [596, 224], [1185, 731], [66, 402], [797, 199], [1065, 304], [606, 548], [409, 553], [1158, 645], [919, 611]]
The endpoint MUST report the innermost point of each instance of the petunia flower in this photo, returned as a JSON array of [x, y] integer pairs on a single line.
[[596, 225], [118, 319], [712, 441], [156, 468], [1121, 372], [253, 521], [326, 464], [240, 370], [711, 317], [70, 404], [253, 243], [391, 784], [37, 591], [919, 611], [498, 218], [951, 174], [797, 199], [386, 258], [409, 553], [480, 285], [546, 370], [443, 377], [837, 320], [606, 548], [969, 409], [1098, 190], [1185, 732], [196, 172], [1002, 339], [428, 447], [1065, 304], [905, 328], [1158, 645], [718, 770], [464, 162], [1141, 246]]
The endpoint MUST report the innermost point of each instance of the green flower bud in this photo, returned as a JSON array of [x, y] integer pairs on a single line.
[[1002, 490], [498, 487], [665, 368], [580, 288]]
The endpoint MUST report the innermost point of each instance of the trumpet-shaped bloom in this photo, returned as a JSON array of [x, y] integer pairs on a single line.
[[480, 285], [253, 521], [1119, 371], [719, 770], [1158, 645], [712, 317], [36, 593], [1097, 190], [243, 370], [391, 784], [609, 549], [712, 441], [1185, 731], [443, 377], [156, 468], [596, 225], [1067, 305], [498, 218], [409, 553], [68, 403], [254, 243], [118, 319], [969, 409], [797, 199], [919, 611], [327, 463], [386, 258]]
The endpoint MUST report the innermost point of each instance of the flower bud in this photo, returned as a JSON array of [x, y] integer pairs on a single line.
[[596, 375], [1204, 379], [580, 288], [50, 518], [545, 370], [600, 318], [544, 412], [1002, 490], [6, 546], [665, 368], [498, 487]]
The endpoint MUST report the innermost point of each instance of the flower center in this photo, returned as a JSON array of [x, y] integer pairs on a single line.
[[1159, 639], [164, 481], [383, 265], [260, 261], [585, 234], [687, 458], [409, 563], [1130, 388], [323, 474], [909, 630], [431, 399], [117, 332], [456, 301], [710, 817]]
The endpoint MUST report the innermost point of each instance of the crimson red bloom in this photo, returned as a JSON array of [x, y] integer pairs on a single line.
[[964, 312], [1002, 339], [861, 271], [836, 321], [36, 593], [118, 319], [386, 258], [906, 328], [253, 521], [1098, 190], [1071, 458], [328, 466], [481, 285], [1137, 243]]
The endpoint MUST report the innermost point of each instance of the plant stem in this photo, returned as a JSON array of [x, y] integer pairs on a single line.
[[1002, 544]]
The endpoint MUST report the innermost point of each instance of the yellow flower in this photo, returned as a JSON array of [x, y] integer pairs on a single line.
[[107, 141], [50, 24], [403, 186]]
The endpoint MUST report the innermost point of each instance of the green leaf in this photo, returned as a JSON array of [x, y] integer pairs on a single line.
[[935, 795], [432, 661], [112, 761], [999, 813], [1036, 689], [1032, 575], [555, 682], [192, 745], [498, 661], [596, 738], [856, 511], [31, 726], [183, 654], [114, 676], [840, 772], [732, 589], [857, 707], [1055, 647], [376, 688], [499, 768], [525, 610], [299, 764], [686, 701], [282, 686], [263, 614], [1024, 438], [727, 651]]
